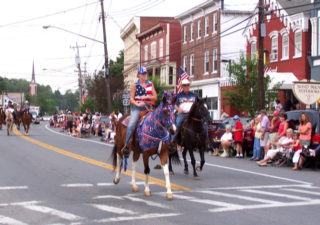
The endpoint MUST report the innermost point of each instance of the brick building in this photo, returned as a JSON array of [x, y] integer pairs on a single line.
[[210, 39], [157, 45], [132, 46], [287, 44]]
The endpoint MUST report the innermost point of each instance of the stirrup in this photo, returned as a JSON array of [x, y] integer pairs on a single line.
[[126, 149]]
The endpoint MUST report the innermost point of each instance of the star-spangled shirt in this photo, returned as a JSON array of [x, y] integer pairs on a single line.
[[141, 91]]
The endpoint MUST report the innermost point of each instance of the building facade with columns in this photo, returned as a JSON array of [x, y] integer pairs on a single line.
[[210, 39]]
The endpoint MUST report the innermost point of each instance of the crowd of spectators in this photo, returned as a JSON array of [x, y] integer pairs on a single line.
[[86, 124]]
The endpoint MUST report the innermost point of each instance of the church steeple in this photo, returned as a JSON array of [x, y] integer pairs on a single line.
[[33, 79], [33, 84]]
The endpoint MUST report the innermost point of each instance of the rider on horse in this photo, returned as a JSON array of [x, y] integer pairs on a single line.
[[185, 99], [10, 106], [142, 92], [26, 107]]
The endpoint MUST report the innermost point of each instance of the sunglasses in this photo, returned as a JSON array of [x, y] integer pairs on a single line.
[[186, 85]]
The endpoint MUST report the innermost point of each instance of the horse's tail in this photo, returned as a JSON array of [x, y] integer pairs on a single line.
[[175, 159], [113, 156]]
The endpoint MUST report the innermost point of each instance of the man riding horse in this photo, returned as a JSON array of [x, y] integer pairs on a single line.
[[26, 107]]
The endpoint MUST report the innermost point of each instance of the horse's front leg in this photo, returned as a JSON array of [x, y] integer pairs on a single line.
[[170, 165], [117, 178], [147, 191], [184, 155], [202, 160], [164, 163], [193, 163]]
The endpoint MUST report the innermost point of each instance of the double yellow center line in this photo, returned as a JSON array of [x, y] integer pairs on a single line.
[[98, 163]]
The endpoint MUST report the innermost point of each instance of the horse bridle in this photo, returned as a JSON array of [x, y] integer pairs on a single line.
[[202, 116]]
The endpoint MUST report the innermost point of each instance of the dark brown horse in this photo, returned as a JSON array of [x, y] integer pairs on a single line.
[[2, 118], [26, 120], [160, 121], [192, 135], [18, 119]]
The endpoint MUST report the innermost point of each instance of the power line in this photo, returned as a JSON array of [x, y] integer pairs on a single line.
[[52, 14]]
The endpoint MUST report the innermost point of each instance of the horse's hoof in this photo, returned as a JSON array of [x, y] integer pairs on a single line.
[[116, 181], [135, 189], [196, 178], [169, 196], [186, 172], [198, 168], [171, 172], [147, 193]]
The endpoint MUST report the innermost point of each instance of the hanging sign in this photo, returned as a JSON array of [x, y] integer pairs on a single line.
[[307, 92]]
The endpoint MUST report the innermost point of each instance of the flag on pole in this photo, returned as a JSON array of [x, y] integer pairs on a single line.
[[84, 96], [182, 75]]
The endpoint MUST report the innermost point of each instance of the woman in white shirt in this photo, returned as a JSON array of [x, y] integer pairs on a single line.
[[281, 147], [226, 141]]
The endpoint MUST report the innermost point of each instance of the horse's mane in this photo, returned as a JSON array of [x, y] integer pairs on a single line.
[[193, 107]]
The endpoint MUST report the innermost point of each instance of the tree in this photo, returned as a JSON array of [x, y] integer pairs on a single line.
[[244, 81], [159, 87]]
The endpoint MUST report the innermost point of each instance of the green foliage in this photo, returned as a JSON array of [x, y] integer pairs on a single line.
[[244, 82], [159, 87], [97, 87]]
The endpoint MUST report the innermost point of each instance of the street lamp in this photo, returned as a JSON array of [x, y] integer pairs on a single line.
[[46, 27]]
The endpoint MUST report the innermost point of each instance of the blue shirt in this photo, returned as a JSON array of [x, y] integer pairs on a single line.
[[185, 101]]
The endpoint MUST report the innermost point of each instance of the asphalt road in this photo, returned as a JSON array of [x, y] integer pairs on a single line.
[[51, 178]]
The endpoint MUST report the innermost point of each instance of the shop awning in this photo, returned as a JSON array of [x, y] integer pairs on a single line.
[[287, 78]]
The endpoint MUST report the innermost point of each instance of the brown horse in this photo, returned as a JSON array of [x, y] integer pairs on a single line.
[[26, 120], [160, 121], [18, 119], [2, 118], [9, 121]]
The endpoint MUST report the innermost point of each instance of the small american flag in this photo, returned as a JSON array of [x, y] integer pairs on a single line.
[[84, 96], [182, 75]]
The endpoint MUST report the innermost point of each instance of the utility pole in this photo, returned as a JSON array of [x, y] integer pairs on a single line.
[[79, 67], [2, 97], [262, 34], [106, 64]]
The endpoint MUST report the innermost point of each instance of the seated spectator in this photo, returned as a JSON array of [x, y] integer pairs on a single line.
[[74, 131], [306, 152], [85, 129], [110, 131], [226, 141], [112, 135], [281, 147], [296, 146]]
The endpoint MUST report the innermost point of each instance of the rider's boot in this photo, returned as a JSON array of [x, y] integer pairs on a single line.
[[126, 149]]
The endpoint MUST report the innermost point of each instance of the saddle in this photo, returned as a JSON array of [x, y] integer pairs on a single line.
[[143, 113]]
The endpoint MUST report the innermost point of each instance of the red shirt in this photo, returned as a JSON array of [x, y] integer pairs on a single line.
[[275, 125], [238, 135], [298, 146]]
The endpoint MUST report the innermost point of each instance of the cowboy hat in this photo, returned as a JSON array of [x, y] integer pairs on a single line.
[[26, 102], [185, 81]]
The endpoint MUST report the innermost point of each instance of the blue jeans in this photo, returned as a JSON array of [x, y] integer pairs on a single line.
[[134, 118], [206, 128], [179, 120], [256, 148]]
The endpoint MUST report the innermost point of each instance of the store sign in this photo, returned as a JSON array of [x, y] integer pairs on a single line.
[[306, 92]]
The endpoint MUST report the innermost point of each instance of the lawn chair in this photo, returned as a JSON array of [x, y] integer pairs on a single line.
[[285, 157], [313, 161]]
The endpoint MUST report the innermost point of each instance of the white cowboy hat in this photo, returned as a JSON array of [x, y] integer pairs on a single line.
[[26, 102], [185, 81]]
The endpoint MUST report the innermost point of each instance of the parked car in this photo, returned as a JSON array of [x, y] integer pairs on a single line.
[[293, 120], [248, 138], [102, 119], [35, 117], [46, 118]]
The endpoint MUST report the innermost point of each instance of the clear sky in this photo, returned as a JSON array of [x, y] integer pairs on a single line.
[[23, 39]]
